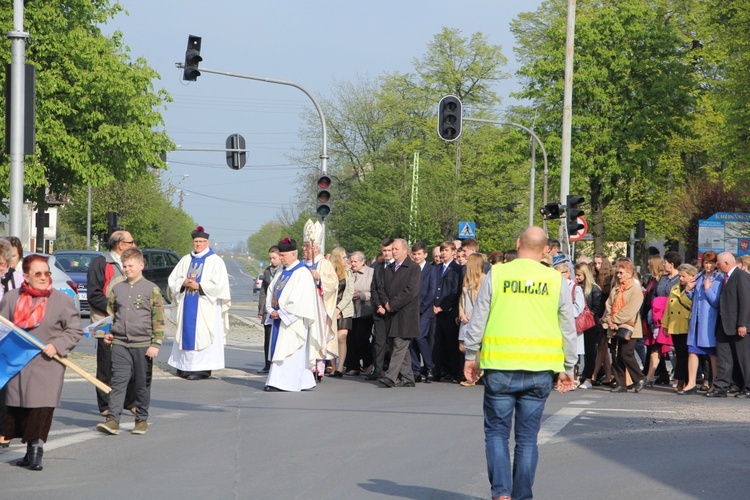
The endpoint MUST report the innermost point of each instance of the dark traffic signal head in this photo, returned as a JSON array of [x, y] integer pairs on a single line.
[[323, 208], [192, 58], [449, 118], [574, 212], [552, 211]]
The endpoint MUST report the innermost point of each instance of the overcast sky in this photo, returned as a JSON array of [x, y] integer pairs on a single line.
[[312, 43]]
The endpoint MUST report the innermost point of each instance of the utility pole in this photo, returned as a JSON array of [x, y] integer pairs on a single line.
[[88, 221], [413, 212], [567, 112], [323, 154], [17, 111]]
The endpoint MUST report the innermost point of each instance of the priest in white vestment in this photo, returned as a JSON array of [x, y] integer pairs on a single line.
[[200, 287], [328, 284], [293, 313]]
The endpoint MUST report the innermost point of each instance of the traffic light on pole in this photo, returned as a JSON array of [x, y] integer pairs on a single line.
[[323, 208], [192, 58], [450, 118], [574, 212], [552, 211], [111, 223]]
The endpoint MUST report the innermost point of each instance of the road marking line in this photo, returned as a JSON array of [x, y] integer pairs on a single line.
[[556, 422], [583, 402], [629, 410]]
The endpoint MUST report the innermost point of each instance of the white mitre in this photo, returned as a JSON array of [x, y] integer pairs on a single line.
[[313, 232]]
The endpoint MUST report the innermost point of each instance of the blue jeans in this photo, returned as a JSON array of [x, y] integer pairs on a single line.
[[504, 392]]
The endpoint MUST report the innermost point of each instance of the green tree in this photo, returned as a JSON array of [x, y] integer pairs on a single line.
[[97, 110], [378, 124], [634, 89], [142, 208]]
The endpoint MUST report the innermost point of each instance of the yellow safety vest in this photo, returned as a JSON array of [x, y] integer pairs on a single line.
[[522, 330]]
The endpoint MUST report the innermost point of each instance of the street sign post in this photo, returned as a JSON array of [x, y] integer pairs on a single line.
[[584, 227], [236, 154], [467, 230]]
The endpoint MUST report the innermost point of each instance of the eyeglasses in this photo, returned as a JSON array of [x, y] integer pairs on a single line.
[[131, 242], [39, 274]]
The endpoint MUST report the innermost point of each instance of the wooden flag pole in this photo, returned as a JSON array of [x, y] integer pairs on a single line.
[[64, 361]]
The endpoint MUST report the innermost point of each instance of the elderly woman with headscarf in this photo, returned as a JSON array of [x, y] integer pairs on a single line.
[[34, 392], [622, 318]]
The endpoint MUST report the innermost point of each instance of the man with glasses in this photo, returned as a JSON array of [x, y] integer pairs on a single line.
[[104, 273]]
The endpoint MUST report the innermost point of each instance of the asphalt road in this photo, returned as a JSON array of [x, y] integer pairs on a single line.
[[349, 438], [240, 281]]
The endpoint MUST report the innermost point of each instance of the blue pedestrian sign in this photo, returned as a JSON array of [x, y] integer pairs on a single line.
[[467, 230]]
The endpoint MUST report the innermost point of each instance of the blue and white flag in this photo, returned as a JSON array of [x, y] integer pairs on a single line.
[[15, 353], [103, 325]]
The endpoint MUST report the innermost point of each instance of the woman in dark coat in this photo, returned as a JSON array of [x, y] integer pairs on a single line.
[[34, 392]]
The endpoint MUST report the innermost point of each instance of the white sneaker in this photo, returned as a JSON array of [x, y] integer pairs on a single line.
[[585, 385]]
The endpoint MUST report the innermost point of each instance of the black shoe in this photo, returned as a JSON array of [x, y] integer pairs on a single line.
[[640, 385], [404, 383], [262, 371], [193, 376], [733, 389], [429, 377], [35, 458], [387, 382], [744, 394], [417, 378], [619, 388], [716, 393], [692, 390], [337, 374], [270, 388], [373, 376], [24, 462]]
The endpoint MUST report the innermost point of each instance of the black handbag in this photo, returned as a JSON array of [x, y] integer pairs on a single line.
[[623, 334]]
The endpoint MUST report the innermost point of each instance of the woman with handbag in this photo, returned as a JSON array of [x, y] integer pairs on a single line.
[[622, 320], [579, 306], [592, 332]]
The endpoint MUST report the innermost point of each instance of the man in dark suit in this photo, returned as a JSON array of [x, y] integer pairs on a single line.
[[422, 345], [378, 298], [731, 329], [403, 281], [445, 352]]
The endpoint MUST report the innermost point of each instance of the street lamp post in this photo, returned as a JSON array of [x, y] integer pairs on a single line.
[[533, 169], [323, 155]]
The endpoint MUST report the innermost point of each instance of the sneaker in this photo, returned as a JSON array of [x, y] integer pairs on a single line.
[[141, 427], [109, 427], [585, 385]]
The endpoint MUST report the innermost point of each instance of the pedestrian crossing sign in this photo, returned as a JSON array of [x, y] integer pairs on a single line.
[[467, 230]]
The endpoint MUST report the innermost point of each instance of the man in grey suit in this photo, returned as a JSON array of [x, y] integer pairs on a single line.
[[731, 330], [402, 283]]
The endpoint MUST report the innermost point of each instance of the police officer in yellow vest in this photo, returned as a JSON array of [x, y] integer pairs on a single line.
[[523, 328]]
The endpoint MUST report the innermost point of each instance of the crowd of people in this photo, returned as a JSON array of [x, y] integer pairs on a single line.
[[396, 319], [634, 331]]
